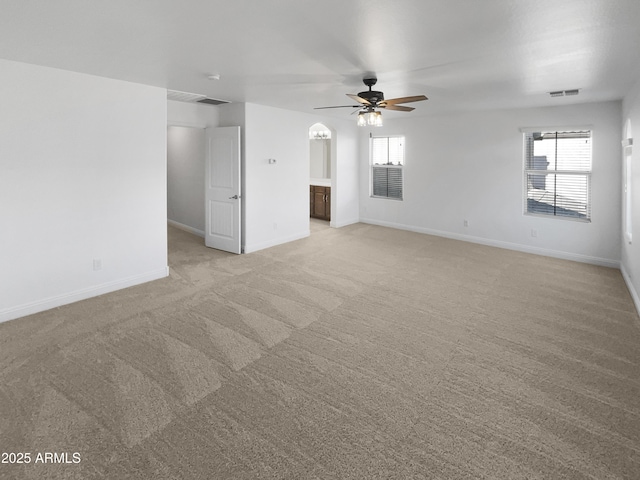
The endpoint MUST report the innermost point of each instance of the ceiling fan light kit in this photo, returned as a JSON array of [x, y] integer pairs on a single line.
[[370, 101], [371, 118]]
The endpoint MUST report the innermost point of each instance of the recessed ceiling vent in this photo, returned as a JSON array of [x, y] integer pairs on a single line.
[[562, 93], [193, 98], [212, 101]]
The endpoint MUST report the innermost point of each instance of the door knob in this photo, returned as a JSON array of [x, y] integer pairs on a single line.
[[235, 197]]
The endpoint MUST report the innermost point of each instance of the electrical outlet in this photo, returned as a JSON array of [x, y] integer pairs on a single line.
[[466, 223], [97, 264], [534, 232]]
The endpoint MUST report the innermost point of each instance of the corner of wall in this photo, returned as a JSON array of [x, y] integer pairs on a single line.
[[272, 243], [631, 288]]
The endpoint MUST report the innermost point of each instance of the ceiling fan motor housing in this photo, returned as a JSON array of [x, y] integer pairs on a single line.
[[373, 96]]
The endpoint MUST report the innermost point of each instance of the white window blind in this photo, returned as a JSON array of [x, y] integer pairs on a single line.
[[387, 161], [557, 173]]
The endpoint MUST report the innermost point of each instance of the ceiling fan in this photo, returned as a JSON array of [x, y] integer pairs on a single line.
[[369, 101]]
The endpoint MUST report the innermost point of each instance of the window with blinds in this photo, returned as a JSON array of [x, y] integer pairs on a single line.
[[557, 174], [387, 161]]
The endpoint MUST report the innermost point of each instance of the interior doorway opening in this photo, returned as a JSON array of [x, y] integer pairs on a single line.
[[186, 149], [321, 175]]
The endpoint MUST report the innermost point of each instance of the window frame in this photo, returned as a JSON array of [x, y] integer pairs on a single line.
[[373, 166], [587, 174]]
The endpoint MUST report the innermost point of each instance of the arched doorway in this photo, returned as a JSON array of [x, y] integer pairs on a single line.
[[321, 176]]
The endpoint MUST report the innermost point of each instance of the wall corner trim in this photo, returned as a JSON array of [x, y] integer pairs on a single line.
[[186, 228], [272, 243], [630, 287], [344, 223]]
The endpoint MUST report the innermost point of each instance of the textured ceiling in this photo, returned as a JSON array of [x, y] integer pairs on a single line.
[[299, 54]]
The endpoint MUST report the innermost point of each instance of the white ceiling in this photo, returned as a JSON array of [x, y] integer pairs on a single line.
[[300, 54]]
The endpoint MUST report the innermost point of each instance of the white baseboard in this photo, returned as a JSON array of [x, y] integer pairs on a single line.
[[272, 243], [631, 288], [71, 297], [186, 228], [344, 223], [604, 262]]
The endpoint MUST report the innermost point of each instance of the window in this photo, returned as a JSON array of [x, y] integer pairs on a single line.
[[557, 173], [387, 161]]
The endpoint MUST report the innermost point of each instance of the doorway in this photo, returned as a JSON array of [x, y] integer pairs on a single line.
[[185, 170], [320, 176], [210, 209]]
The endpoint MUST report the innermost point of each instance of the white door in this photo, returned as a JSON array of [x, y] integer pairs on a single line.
[[222, 189]]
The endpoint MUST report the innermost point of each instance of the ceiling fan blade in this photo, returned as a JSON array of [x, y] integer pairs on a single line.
[[394, 101], [400, 108], [338, 106], [364, 101]]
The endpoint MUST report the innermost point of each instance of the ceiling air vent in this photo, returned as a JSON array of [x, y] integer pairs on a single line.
[[193, 98], [562, 93], [212, 101]]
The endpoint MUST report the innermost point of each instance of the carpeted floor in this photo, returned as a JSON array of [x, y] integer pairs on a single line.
[[357, 353]]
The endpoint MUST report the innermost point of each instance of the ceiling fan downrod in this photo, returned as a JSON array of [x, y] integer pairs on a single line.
[[372, 96]]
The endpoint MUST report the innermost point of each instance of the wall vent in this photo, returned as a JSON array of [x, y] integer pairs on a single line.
[[193, 98]]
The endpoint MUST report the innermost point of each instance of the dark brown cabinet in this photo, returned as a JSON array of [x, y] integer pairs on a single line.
[[320, 202]]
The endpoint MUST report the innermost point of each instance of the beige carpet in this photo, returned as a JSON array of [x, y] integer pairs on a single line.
[[358, 353]]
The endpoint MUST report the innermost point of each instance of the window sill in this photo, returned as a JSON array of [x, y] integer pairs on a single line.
[[558, 217], [386, 198]]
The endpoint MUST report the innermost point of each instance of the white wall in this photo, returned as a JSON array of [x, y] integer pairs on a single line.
[[83, 177], [345, 178], [185, 178], [630, 261], [469, 166], [276, 196]]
